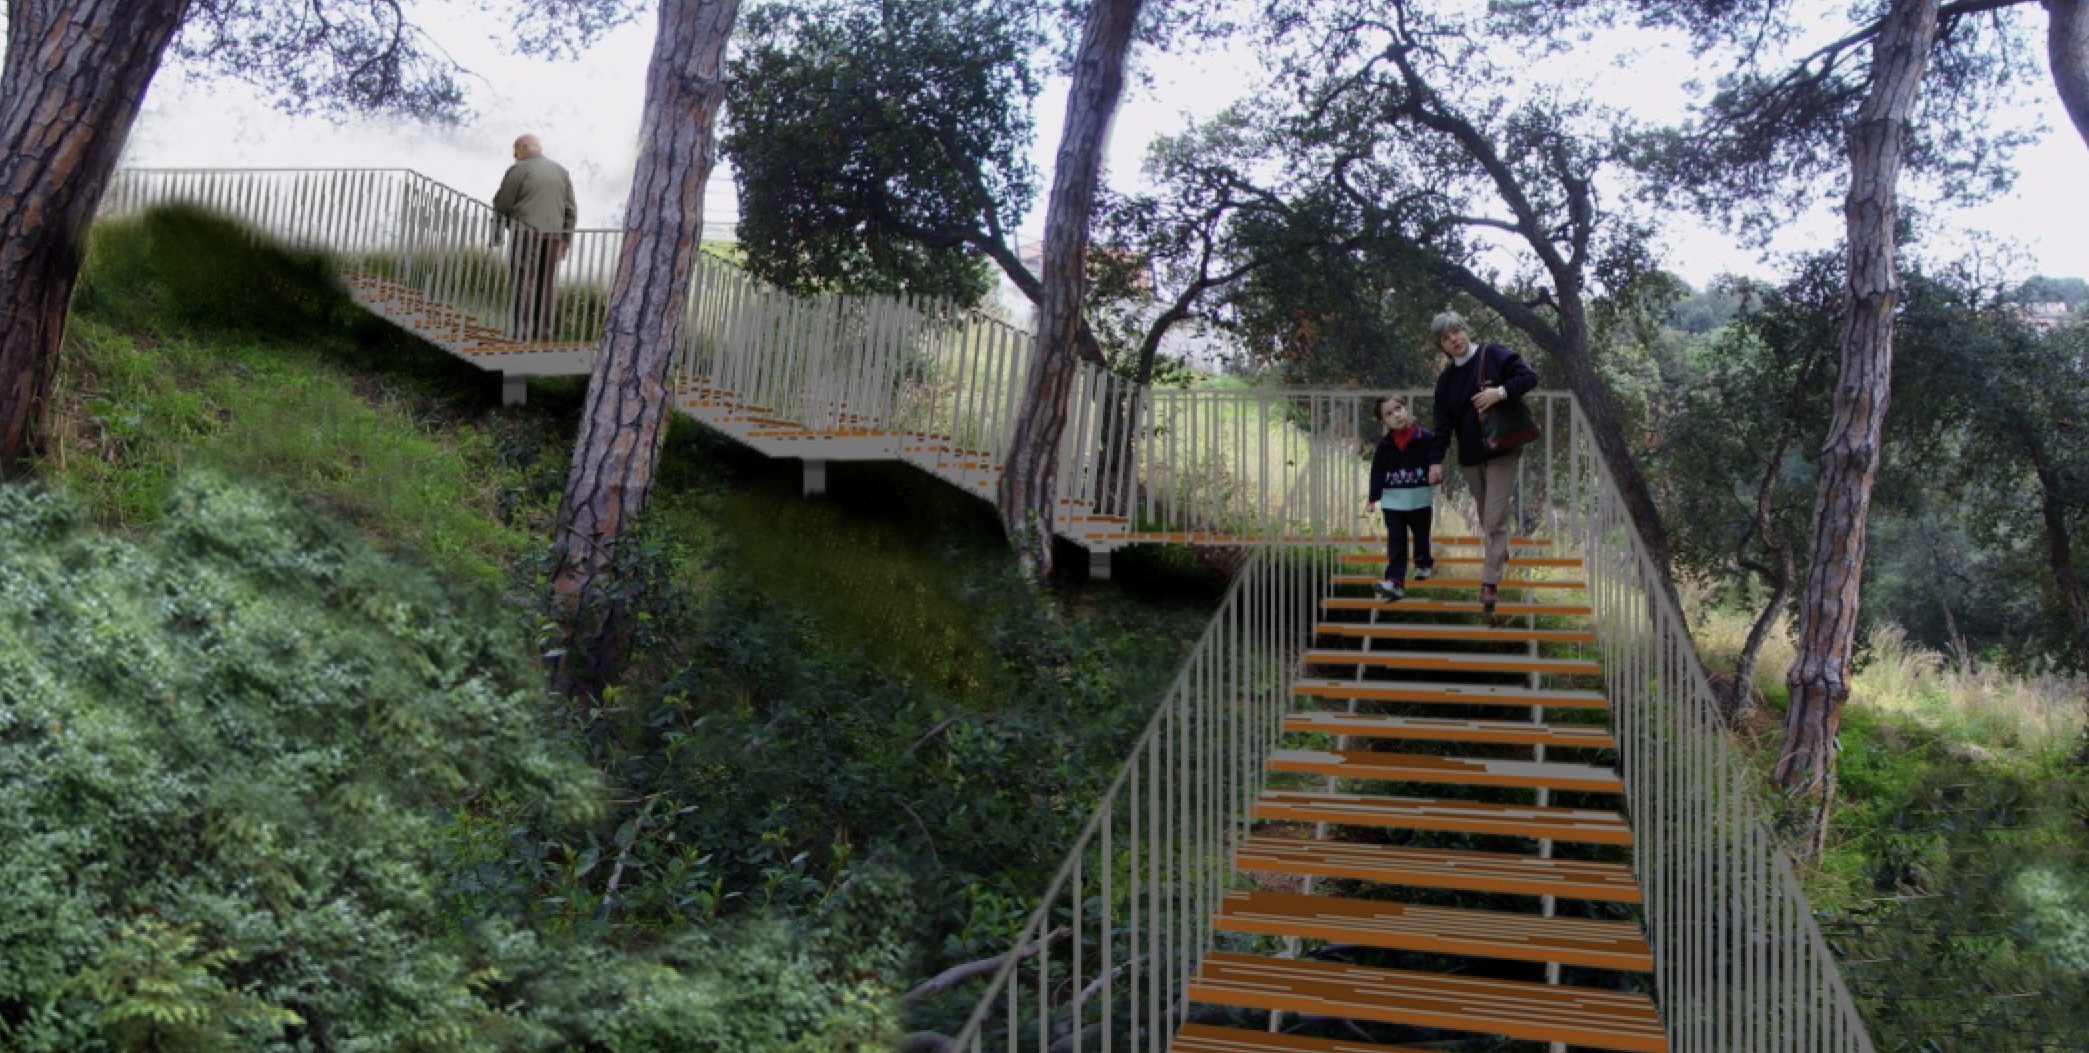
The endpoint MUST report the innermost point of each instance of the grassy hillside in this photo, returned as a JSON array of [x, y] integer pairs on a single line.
[[1955, 887], [276, 604]]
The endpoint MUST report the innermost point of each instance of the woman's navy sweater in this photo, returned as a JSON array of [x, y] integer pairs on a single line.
[[1456, 386]]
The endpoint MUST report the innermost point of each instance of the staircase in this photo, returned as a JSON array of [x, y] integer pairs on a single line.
[[1454, 861]]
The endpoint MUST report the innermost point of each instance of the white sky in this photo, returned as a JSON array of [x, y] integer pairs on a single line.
[[587, 112]]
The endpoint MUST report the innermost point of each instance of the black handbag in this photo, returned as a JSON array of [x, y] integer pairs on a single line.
[[1507, 424]]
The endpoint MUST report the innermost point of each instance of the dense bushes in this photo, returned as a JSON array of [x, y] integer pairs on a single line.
[[280, 775], [237, 757]]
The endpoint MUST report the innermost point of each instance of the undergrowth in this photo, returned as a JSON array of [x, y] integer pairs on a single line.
[[1955, 885], [850, 746]]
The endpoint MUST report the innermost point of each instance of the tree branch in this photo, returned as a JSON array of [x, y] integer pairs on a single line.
[[958, 974]]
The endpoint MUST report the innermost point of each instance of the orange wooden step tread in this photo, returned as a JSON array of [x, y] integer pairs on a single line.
[[1451, 771], [1580, 825], [1464, 583], [1449, 694], [1208, 1038], [1438, 930], [1450, 729], [1505, 608], [1514, 561], [1439, 661], [1536, 1012], [1420, 631], [1440, 868]]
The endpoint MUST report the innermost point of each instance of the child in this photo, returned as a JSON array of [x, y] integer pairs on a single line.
[[1400, 488]]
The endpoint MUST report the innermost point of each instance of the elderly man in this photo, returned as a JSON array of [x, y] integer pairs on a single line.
[[535, 203]]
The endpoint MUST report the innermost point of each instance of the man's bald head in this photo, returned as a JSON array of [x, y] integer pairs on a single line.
[[528, 146]]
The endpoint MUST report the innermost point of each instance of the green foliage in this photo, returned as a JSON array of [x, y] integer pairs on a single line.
[[258, 765], [180, 321], [159, 991], [1746, 404], [228, 749], [1951, 890], [864, 681], [879, 145], [2073, 292]]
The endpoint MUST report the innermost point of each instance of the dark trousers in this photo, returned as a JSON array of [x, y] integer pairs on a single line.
[[533, 261], [1398, 525]]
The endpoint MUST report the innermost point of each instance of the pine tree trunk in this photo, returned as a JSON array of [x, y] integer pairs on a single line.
[[1819, 678], [1030, 473], [2067, 48], [628, 398], [74, 77], [2059, 548]]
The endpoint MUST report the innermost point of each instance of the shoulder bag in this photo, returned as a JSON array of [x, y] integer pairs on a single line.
[[1507, 424]]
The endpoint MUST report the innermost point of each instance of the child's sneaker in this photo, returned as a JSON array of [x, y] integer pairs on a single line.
[[1389, 591], [1424, 572]]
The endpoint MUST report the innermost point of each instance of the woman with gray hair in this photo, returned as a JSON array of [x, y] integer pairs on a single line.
[[1475, 379]]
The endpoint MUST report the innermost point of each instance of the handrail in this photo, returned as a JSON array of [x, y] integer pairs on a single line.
[[938, 386], [1740, 961], [1138, 888], [1740, 964]]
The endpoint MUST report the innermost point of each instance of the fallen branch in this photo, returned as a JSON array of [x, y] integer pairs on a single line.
[[958, 974]]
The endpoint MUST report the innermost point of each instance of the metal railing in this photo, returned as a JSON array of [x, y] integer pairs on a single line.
[[1740, 964], [1739, 961], [909, 378], [1103, 963]]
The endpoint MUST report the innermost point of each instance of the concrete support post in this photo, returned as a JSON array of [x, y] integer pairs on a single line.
[[514, 389], [1099, 565], [815, 477]]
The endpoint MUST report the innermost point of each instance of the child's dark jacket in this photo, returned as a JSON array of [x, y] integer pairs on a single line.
[[1395, 468]]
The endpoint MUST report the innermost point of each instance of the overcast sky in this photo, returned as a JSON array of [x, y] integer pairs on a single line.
[[587, 112]]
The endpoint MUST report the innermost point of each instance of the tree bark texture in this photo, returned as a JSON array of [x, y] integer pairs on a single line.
[[629, 399], [75, 75], [1828, 607], [1030, 473], [2059, 541], [2067, 49]]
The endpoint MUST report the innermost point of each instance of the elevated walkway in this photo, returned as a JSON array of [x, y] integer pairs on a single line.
[[1351, 826]]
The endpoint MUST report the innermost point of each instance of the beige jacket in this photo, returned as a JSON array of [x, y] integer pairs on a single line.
[[537, 193]]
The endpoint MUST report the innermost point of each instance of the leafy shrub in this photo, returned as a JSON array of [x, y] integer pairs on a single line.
[[228, 753]]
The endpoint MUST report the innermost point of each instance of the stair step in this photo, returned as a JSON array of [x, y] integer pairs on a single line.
[[1438, 930], [1460, 539], [1448, 662], [1514, 561], [1580, 825], [1446, 582], [1419, 631], [1505, 608], [1207, 1038], [1441, 868], [1449, 729], [1449, 694], [1536, 1012], [1451, 771]]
